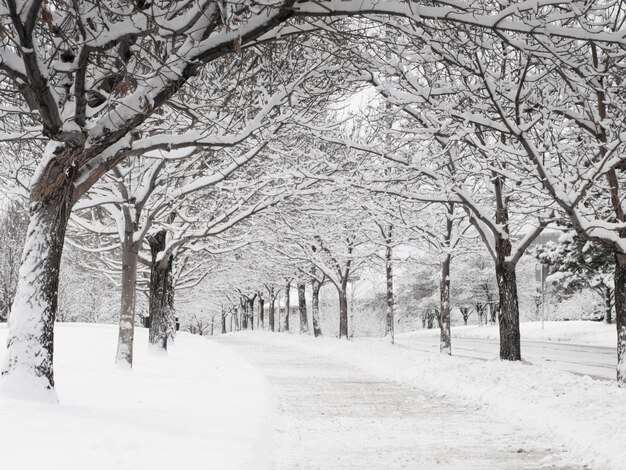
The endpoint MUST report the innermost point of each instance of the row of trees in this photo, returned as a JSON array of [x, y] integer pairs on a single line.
[[507, 115]]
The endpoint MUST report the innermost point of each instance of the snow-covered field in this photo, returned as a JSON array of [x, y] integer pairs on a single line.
[[203, 406], [199, 407], [585, 415], [575, 332]]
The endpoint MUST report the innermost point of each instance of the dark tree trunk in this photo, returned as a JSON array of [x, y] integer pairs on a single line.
[[315, 308], [161, 303], [343, 310], [445, 336], [30, 342], [445, 341], [432, 314], [124, 356], [620, 316], [287, 306], [510, 348], [304, 319], [223, 323], [464, 314], [608, 308]]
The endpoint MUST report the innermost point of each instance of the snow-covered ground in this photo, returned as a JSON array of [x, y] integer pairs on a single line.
[[199, 407], [575, 332], [580, 413]]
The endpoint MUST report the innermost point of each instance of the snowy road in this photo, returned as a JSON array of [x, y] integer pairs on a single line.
[[334, 416], [595, 361]]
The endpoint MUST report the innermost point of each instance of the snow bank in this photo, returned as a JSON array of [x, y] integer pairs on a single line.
[[199, 407], [587, 416], [575, 332]]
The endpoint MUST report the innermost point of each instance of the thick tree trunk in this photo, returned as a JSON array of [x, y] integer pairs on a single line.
[[343, 311], [223, 324], [251, 311], [389, 317], [287, 306], [608, 309], [304, 319], [508, 312], [271, 310], [28, 362], [445, 342], [620, 317], [315, 308], [126, 336], [161, 301]]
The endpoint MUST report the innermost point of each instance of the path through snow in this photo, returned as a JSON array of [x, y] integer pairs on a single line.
[[332, 416]]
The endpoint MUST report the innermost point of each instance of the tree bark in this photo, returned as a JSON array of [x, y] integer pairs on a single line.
[[251, 310], [343, 310], [244, 313], [608, 309], [161, 303], [235, 316], [389, 317], [304, 319], [271, 311], [315, 308], [30, 344], [223, 323], [445, 341], [126, 336], [620, 316], [508, 312], [286, 318], [261, 311]]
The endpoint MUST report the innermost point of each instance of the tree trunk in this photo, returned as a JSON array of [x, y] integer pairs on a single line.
[[28, 362], [304, 319], [286, 318], [161, 301], [244, 314], [315, 308], [261, 312], [235, 316], [445, 342], [126, 337], [389, 317], [271, 311], [431, 318], [508, 312], [251, 311], [223, 324], [343, 310], [608, 310], [620, 317]]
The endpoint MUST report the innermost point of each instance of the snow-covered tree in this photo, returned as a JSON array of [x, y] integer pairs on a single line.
[[577, 264]]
